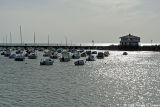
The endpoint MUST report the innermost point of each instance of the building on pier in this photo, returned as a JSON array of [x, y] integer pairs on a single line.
[[129, 40]]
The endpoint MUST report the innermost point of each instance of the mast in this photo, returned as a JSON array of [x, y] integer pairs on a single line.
[[151, 42], [71, 42], [34, 38], [6, 40], [61, 43], [66, 41], [48, 40], [3, 40], [10, 38], [92, 42], [21, 34]]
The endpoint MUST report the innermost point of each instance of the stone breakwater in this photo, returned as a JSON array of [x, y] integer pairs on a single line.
[[111, 47]]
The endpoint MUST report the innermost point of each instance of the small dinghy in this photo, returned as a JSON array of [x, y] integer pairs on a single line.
[[106, 53], [125, 53], [94, 52], [47, 53], [32, 56], [90, 58], [65, 57], [76, 55], [83, 54], [100, 55], [79, 62], [19, 58], [12, 56], [54, 56], [3, 53], [47, 61], [7, 53]]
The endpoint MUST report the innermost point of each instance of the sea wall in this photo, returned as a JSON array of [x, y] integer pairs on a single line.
[[111, 47]]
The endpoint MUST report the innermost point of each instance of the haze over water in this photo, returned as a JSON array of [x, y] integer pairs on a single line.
[[114, 81]]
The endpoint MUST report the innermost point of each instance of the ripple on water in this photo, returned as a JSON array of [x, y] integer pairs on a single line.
[[114, 81]]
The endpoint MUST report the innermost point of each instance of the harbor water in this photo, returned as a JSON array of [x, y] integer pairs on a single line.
[[115, 81]]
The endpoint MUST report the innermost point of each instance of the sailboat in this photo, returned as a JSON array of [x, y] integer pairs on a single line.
[[7, 53], [100, 55], [20, 57], [10, 39], [46, 61], [33, 54], [65, 57], [21, 34]]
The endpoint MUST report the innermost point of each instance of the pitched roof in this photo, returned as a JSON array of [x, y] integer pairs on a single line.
[[129, 36]]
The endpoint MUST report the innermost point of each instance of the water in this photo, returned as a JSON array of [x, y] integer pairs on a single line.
[[116, 81]]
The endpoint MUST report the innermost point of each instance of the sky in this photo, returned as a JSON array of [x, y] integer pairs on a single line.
[[80, 21]]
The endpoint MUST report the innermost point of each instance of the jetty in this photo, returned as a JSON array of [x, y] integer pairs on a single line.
[[127, 43], [110, 47]]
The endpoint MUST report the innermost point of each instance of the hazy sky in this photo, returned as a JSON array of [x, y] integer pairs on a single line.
[[80, 20]]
